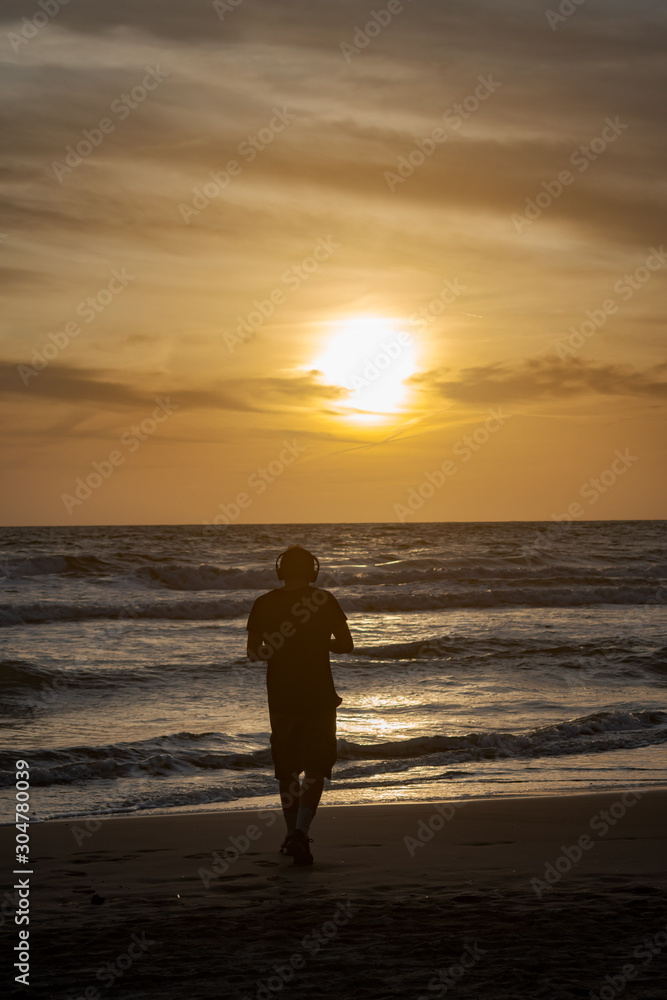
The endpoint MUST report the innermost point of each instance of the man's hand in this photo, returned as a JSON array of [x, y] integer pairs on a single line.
[[342, 641], [257, 648]]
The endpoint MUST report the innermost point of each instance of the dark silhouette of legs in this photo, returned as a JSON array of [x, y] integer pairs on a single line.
[[295, 795], [289, 799], [311, 791], [300, 801]]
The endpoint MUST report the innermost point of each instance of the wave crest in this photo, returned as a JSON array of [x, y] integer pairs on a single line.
[[189, 753]]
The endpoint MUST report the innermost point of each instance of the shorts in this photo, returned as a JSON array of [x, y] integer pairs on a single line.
[[303, 741]]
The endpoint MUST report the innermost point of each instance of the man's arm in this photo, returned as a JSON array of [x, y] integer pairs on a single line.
[[256, 647], [342, 641]]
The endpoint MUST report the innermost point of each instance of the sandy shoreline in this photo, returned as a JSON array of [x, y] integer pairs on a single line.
[[534, 897]]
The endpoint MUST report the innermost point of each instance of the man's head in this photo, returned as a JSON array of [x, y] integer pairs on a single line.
[[297, 563]]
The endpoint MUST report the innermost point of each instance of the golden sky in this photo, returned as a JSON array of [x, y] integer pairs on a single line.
[[287, 261]]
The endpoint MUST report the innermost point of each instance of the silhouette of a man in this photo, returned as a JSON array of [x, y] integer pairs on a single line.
[[292, 628]]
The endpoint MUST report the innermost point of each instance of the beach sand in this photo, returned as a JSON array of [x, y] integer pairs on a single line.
[[172, 907]]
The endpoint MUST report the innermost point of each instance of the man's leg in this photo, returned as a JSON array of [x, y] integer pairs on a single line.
[[311, 793], [285, 754], [319, 756], [289, 800]]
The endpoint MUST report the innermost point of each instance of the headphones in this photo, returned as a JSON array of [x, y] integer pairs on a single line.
[[313, 573]]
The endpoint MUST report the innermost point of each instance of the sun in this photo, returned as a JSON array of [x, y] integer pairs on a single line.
[[371, 357]]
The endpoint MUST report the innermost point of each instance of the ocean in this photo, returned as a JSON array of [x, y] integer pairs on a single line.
[[490, 659]]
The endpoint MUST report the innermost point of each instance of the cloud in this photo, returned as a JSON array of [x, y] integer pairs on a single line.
[[422, 63], [79, 386], [324, 174], [21, 277], [545, 378]]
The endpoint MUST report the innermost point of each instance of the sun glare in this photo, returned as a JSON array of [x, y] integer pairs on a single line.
[[371, 357]]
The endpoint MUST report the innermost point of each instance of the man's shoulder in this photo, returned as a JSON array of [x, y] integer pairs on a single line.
[[326, 594], [269, 595], [288, 594], [330, 600], [282, 596]]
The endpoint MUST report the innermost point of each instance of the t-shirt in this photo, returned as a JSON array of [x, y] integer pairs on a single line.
[[297, 625]]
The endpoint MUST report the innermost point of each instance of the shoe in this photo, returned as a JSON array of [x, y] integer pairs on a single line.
[[286, 847], [297, 844]]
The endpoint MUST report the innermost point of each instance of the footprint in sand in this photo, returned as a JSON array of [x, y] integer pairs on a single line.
[[486, 843]]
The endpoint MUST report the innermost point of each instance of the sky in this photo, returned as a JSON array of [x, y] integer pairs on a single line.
[[315, 262]]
